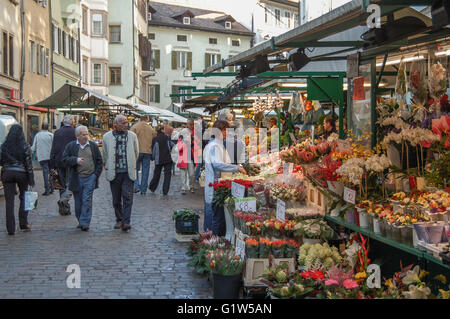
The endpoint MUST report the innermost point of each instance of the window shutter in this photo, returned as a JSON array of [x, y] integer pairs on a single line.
[[157, 94], [207, 60], [219, 60], [53, 35], [157, 59], [59, 41], [189, 62], [174, 60]]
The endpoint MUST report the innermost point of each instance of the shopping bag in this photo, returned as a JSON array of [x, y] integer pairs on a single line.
[[31, 199]]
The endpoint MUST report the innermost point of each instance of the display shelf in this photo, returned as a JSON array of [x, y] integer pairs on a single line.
[[409, 249]]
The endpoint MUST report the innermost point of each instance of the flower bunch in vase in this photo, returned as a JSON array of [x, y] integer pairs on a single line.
[[224, 262], [252, 247], [313, 229]]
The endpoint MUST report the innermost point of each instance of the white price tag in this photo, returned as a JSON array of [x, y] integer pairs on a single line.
[[237, 190], [349, 195], [247, 204], [240, 248], [281, 210]]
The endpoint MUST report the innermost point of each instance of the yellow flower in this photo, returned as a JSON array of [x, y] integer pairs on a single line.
[[441, 278], [360, 277], [388, 283], [445, 294], [423, 273]]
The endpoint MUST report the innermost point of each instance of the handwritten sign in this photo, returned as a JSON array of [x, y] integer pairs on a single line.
[[281, 210], [240, 248], [237, 190], [247, 204], [349, 195]]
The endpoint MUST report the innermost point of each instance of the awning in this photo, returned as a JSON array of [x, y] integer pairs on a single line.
[[161, 113]]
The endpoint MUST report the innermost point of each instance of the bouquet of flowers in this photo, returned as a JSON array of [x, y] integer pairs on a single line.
[[318, 256], [313, 229], [437, 82], [224, 262], [264, 247], [252, 247], [278, 248], [340, 284], [291, 249], [326, 170]]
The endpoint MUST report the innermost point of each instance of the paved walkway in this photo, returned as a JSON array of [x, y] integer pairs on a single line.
[[147, 262]]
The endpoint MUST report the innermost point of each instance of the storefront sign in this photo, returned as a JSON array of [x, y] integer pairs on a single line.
[[247, 204], [14, 94], [349, 195], [359, 93], [281, 210], [237, 190]]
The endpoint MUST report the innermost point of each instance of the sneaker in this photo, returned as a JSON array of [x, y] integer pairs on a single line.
[[118, 225], [126, 227], [11, 234], [84, 228]]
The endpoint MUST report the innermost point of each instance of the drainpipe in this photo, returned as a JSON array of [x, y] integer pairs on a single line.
[[79, 59], [134, 78], [51, 46]]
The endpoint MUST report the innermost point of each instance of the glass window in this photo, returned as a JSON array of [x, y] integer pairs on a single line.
[[11, 56], [182, 38], [151, 36], [212, 40], [97, 24], [85, 20], [114, 34], [186, 20], [32, 56], [277, 17], [5, 53], [235, 43], [85, 69], [181, 60], [115, 75], [287, 15], [227, 25], [98, 73], [55, 39]]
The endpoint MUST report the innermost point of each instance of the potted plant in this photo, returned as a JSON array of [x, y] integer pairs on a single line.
[[313, 231], [226, 268], [186, 221]]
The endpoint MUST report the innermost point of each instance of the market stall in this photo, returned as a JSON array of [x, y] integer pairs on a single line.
[[359, 214]]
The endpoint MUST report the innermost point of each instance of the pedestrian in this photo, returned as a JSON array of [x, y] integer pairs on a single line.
[[62, 137], [42, 145], [161, 154], [184, 163], [216, 161], [145, 134], [85, 167], [120, 152], [17, 169]]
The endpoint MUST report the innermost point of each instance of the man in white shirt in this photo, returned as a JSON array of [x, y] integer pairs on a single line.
[[42, 145]]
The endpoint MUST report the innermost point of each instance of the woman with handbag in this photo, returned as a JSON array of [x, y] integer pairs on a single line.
[[17, 168]]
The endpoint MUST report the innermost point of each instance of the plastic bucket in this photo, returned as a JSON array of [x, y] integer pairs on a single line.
[[226, 286]]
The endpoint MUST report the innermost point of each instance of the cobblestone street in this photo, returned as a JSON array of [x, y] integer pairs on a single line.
[[147, 262]]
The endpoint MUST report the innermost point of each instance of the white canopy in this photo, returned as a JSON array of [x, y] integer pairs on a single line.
[[161, 113]]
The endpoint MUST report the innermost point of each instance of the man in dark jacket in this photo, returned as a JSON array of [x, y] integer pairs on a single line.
[[161, 155], [84, 163], [62, 137]]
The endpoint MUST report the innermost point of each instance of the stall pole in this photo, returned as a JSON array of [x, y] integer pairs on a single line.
[[341, 111], [279, 129], [70, 100], [373, 102]]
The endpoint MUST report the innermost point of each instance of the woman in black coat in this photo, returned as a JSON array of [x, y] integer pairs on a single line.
[[17, 169], [162, 146]]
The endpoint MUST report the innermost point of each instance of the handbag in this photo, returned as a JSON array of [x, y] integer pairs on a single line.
[[30, 200], [54, 179]]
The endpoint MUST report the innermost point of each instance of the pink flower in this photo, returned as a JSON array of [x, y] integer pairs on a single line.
[[330, 282], [350, 284]]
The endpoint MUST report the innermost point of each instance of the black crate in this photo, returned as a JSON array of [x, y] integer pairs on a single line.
[[186, 226]]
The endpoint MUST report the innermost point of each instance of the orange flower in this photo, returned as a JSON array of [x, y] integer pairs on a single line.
[[251, 242]]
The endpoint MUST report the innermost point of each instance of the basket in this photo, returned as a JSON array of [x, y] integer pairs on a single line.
[[187, 226]]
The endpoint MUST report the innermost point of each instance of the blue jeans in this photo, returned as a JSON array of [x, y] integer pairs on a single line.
[[145, 160], [45, 173], [197, 171], [208, 217], [83, 199]]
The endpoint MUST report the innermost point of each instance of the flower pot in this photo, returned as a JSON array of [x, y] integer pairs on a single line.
[[383, 225], [226, 286], [350, 216], [397, 233], [421, 231], [371, 218], [407, 234], [363, 219], [389, 230], [434, 233], [377, 226], [311, 241]]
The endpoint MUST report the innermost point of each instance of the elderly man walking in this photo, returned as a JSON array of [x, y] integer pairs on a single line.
[[62, 137], [144, 134], [120, 152], [42, 145], [84, 162]]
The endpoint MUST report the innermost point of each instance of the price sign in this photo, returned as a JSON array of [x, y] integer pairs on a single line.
[[240, 248], [349, 195], [281, 210], [237, 190], [247, 204]]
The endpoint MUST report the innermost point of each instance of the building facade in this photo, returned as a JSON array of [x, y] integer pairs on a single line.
[[266, 18], [94, 45], [65, 35], [312, 9], [186, 40], [10, 53], [129, 50]]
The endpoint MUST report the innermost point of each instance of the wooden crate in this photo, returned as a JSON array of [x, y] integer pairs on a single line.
[[280, 261], [254, 268], [182, 238]]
